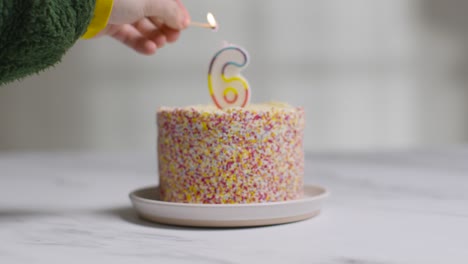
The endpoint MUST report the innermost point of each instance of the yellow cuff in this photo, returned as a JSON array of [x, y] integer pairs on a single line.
[[101, 16]]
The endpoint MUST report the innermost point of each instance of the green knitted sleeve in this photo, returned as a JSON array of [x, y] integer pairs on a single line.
[[35, 34]]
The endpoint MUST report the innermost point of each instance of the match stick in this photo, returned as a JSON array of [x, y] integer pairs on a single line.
[[203, 25], [212, 24]]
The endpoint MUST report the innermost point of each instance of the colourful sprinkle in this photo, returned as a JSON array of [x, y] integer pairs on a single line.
[[237, 155]]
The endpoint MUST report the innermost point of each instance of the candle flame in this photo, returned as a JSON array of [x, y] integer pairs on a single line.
[[212, 21]]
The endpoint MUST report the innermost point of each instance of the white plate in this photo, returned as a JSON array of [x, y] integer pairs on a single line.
[[148, 205]]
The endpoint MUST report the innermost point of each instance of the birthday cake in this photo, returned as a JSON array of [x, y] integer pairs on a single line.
[[231, 151], [248, 154]]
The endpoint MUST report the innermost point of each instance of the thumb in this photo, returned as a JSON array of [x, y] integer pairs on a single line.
[[169, 12]]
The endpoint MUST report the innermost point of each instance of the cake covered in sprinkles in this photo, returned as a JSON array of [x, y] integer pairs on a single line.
[[251, 154]]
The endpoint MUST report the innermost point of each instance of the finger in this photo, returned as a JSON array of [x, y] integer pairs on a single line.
[[171, 34], [184, 12], [131, 37], [156, 21], [159, 38], [151, 32], [167, 11], [146, 27]]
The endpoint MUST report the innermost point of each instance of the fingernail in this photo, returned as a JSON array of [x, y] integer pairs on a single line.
[[186, 22]]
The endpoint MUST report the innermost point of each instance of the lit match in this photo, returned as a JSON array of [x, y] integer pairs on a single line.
[[211, 23]]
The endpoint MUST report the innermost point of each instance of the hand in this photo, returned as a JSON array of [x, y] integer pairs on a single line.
[[147, 25]]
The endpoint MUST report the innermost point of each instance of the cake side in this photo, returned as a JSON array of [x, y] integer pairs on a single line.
[[238, 155]]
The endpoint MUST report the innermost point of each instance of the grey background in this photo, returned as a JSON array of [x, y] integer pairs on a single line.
[[371, 75]]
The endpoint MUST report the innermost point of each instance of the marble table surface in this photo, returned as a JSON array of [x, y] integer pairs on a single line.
[[388, 207]]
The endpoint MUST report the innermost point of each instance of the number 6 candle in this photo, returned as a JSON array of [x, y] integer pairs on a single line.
[[228, 88]]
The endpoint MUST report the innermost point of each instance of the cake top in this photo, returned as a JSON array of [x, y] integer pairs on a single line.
[[263, 107]]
